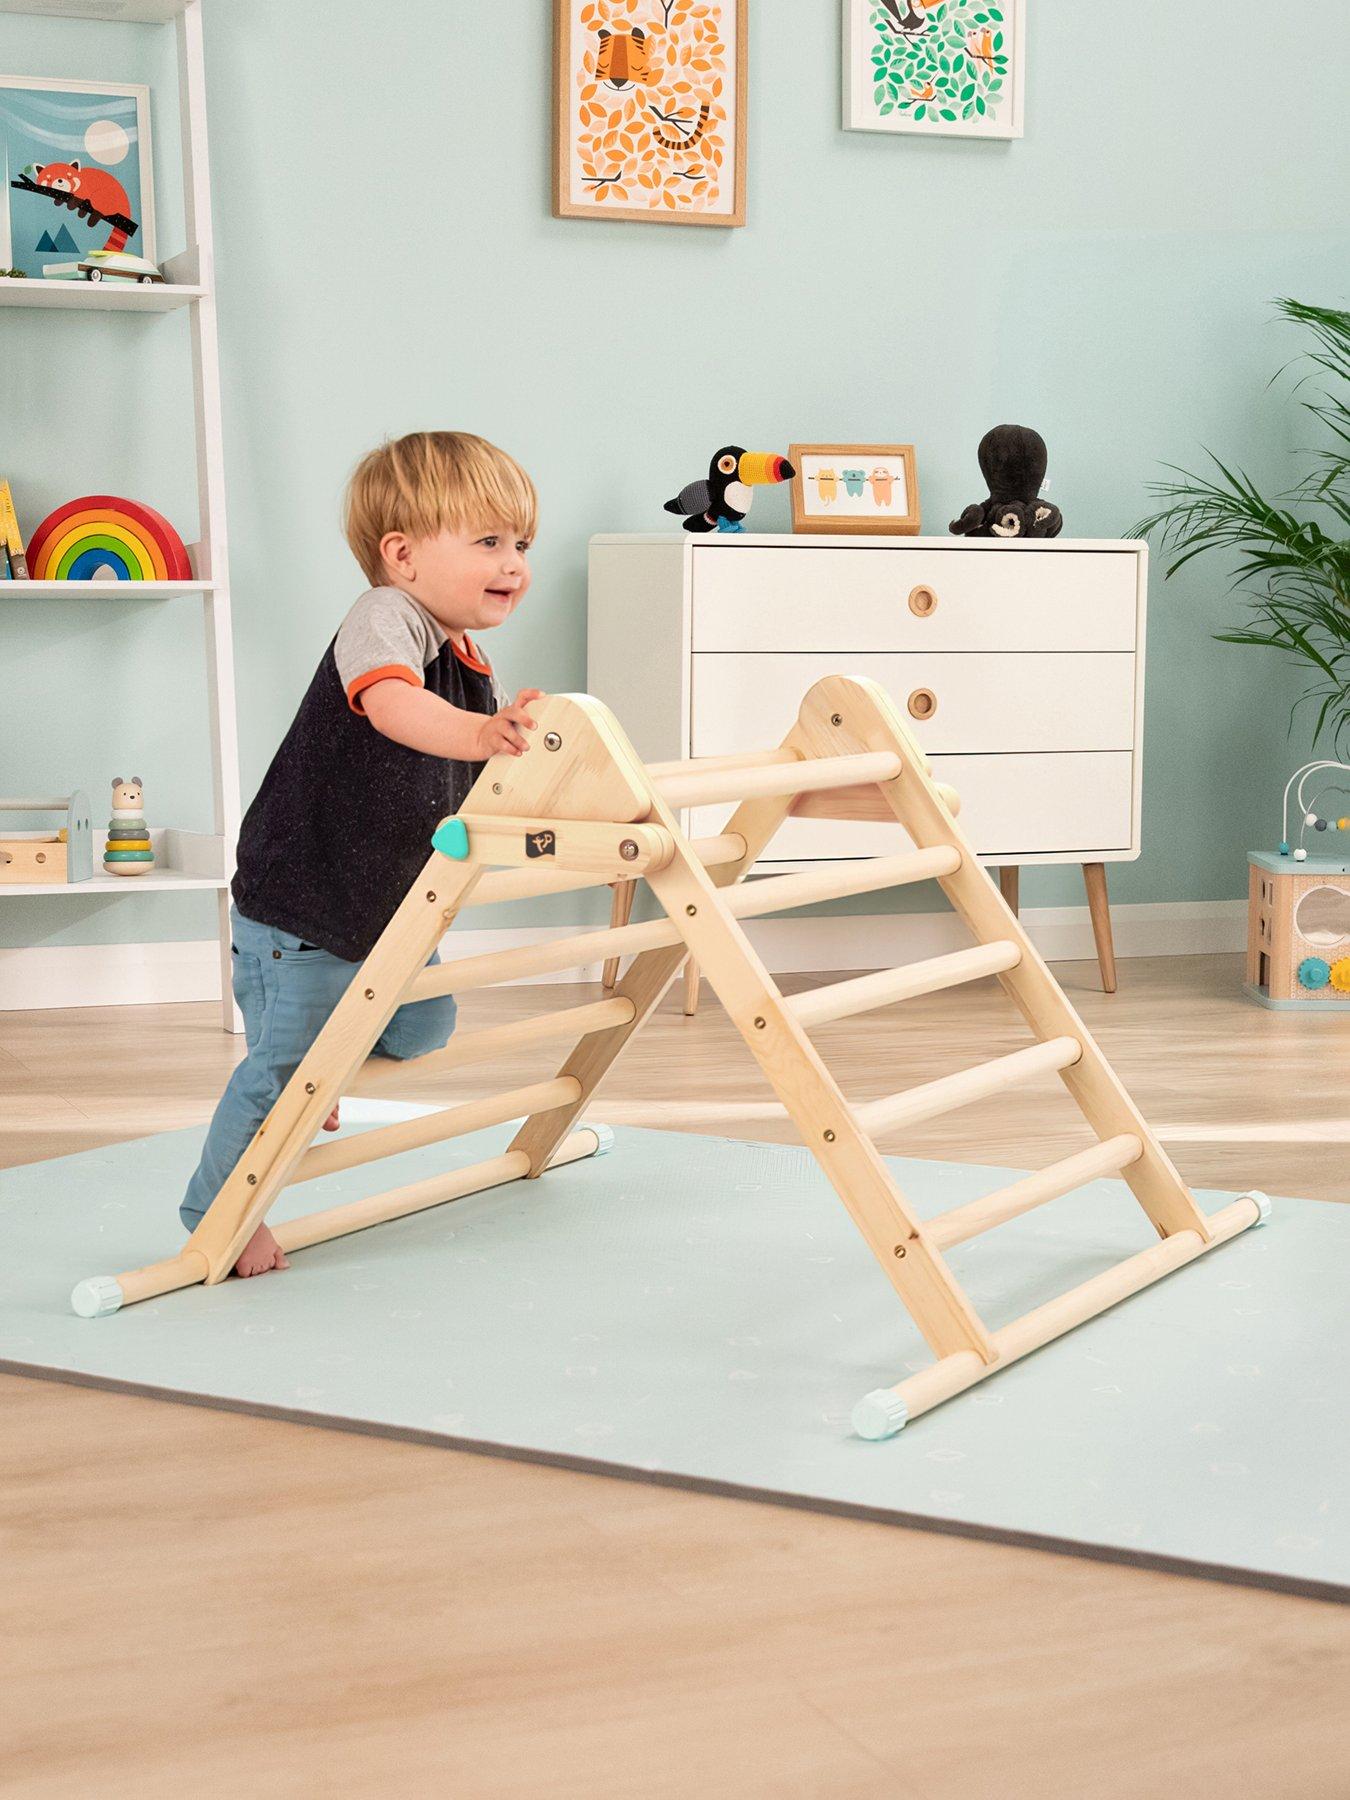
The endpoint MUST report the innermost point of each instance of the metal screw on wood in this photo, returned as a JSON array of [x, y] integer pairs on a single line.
[[899, 1249], [552, 741], [691, 910], [759, 1024], [836, 718], [253, 1181], [310, 1088], [628, 850], [370, 993], [829, 1137], [496, 787], [431, 896]]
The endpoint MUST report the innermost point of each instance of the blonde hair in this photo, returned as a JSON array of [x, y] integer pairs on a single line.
[[429, 482]]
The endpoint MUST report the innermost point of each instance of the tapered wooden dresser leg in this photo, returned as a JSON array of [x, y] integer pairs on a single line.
[[1094, 879]]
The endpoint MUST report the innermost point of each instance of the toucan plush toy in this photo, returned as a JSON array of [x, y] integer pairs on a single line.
[[722, 501]]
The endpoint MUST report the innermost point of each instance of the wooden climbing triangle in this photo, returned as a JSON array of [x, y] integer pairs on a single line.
[[579, 810]]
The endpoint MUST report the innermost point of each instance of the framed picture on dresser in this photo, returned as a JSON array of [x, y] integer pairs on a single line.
[[842, 488]]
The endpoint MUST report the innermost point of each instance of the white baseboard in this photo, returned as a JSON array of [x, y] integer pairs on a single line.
[[148, 974]]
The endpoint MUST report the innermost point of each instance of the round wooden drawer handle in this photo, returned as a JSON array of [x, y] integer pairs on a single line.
[[922, 602], [922, 703]]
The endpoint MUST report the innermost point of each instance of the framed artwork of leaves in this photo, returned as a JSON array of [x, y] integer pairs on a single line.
[[944, 68], [649, 110]]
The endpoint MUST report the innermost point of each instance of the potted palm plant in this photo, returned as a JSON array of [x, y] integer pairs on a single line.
[[1291, 553]]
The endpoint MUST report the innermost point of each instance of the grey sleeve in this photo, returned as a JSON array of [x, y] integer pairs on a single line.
[[500, 697], [384, 637]]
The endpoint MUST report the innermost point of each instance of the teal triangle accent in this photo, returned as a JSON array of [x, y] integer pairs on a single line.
[[451, 838]]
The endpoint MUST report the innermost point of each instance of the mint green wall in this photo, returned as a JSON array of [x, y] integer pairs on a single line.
[[388, 261]]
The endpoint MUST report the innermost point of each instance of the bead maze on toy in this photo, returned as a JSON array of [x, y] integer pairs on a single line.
[[580, 810], [99, 536], [1298, 911]]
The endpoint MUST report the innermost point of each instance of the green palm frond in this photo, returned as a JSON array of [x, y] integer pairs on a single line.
[[1288, 553]]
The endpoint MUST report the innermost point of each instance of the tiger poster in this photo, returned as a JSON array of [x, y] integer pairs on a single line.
[[650, 100]]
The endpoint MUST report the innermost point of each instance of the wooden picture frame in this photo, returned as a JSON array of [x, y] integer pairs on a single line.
[[878, 492], [669, 117], [935, 68]]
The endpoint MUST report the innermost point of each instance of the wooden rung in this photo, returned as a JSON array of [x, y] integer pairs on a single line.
[[381, 1073], [417, 1196], [841, 999], [109, 1293], [529, 884], [779, 893], [884, 1411], [797, 777], [776, 893], [862, 805], [433, 1128], [1059, 1178], [968, 1085], [547, 958], [711, 765]]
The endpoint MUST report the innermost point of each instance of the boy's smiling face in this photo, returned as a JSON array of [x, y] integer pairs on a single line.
[[467, 580]]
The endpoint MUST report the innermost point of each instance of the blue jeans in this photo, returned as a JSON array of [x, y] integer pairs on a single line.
[[286, 994]]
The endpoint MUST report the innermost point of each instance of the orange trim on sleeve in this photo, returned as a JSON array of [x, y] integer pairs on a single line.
[[391, 672]]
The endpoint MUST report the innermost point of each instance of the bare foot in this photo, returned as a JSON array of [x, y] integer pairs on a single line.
[[261, 1253], [331, 1122]]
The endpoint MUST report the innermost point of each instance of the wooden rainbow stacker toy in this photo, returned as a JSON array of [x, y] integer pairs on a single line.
[[580, 810]]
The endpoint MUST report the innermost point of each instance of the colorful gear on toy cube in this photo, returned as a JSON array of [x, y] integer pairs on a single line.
[[1340, 975], [1314, 972]]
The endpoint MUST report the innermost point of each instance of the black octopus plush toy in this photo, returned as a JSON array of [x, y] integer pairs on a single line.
[[1012, 461]]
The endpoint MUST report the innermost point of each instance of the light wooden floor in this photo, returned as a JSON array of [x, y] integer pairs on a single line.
[[197, 1602]]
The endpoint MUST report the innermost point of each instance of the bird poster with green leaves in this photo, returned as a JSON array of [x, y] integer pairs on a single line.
[[941, 67]]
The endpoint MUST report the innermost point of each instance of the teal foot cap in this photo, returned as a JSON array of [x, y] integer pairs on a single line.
[[604, 1138], [1263, 1206], [879, 1414], [451, 838], [95, 1298]]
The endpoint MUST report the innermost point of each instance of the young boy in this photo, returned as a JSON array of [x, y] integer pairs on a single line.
[[401, 714]]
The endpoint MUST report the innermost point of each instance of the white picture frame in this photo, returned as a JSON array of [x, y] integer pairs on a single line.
[[143, 243], [969, 55]]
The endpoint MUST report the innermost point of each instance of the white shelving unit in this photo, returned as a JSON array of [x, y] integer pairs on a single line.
[[187, 860]]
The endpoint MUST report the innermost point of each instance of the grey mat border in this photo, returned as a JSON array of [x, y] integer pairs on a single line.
[[1335, 1592]]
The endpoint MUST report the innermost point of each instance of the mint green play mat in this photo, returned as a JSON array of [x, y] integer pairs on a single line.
[[700, 1311]]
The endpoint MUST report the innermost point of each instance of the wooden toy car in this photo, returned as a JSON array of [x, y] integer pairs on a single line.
[[105, 265]]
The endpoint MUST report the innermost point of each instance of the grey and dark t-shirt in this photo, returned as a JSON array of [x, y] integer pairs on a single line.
[[342, 823]]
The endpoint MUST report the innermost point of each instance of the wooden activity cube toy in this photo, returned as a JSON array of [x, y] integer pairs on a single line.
[[58, 854], [1298, 932], [580, 810]]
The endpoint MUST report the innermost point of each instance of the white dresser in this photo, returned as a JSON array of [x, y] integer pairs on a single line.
[[1020, 666]]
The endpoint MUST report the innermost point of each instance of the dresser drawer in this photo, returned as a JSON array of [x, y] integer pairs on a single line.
[[980, 701], [1078, 803], [824, 598]]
